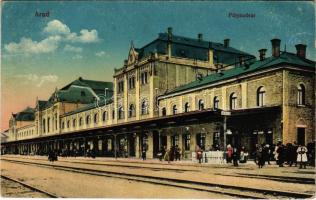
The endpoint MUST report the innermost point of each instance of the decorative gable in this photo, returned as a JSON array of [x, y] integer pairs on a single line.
[[132, 55]]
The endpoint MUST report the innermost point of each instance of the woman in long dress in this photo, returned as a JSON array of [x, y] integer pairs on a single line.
[[302, 156]]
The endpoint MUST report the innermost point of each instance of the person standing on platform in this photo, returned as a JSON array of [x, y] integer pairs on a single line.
[[260, 157], [167, 155], [243, 155], [177, 153], [281, 154], [235, 156], [144, 153], [266, 153], [229, 153], [199, 154], [302, 156]]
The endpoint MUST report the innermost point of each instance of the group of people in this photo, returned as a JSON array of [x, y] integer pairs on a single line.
[[295, 154], [52, 156], [172, 154], [290, 154], [233, 154]]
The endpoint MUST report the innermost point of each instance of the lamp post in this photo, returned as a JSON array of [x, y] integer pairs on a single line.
[[115, 153], [225, 114]]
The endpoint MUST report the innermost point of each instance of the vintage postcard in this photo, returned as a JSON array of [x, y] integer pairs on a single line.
[[158, 99]]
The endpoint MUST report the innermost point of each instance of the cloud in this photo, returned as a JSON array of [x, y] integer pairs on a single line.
[[56, 32], [70, 48], [76, 57], [28, 46], [85, 36], [55, 27], [100, 54], [47, 78], [38, 80]]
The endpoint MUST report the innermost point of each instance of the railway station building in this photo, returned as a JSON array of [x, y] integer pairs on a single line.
[[176, 91]]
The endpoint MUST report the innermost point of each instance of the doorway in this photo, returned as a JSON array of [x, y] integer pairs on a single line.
[[301, 136]]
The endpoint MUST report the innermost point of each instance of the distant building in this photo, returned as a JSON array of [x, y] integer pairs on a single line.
[[176, 91]]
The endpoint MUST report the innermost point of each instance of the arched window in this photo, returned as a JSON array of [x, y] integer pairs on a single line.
[[104, 116], [186, 107], [63, 125], [201, 104], [261, 96], [80, 121], [68, 123], [233, 101], [144, 108], [48, 124], [120, 113], [44, 125], [216, 103], [164, 112], [174, 109], [301, 94], [96, 118], [88, 120], [74, 123], [56, 121], [131, 111]]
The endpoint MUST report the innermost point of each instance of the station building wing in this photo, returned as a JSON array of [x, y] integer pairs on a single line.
[[270, 62]]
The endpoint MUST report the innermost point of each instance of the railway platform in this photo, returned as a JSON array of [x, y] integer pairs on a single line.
[[245, 181]]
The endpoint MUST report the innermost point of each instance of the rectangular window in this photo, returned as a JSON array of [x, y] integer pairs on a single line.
[[200, 140], [131, 83], [120, 86], [143, 77], [187, 140], [109, 144], [216, 138]]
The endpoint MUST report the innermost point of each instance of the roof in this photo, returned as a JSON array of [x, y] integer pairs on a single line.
[[42, 104], [200, 43], [193, 49], [97, 86], [284, 58], [89, 107], [80, 91], [25, 115]]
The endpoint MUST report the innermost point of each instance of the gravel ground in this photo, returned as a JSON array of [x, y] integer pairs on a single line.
[[112, 187], [211, 174], [67, 184], [13, 189]]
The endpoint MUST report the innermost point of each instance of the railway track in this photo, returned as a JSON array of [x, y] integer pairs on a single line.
[[234, 191], [32, 188], [130, 166]]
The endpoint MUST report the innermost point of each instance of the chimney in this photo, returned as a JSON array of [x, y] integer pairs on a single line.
[[200, 37], [125, 62], [262, 53], [301, 50], [226, 42], [275, 47], [169, 33]]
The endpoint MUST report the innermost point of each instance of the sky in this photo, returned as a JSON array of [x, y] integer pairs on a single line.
[[90, 39]]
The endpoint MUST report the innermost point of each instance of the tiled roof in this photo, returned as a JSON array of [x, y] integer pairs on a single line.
[[97, 86], [193, 49], [201, 43], [89, 107], [25, 115], [42, 104], [79, 91], [284, 58]]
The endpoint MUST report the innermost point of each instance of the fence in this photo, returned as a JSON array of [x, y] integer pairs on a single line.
[[210, 157]]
